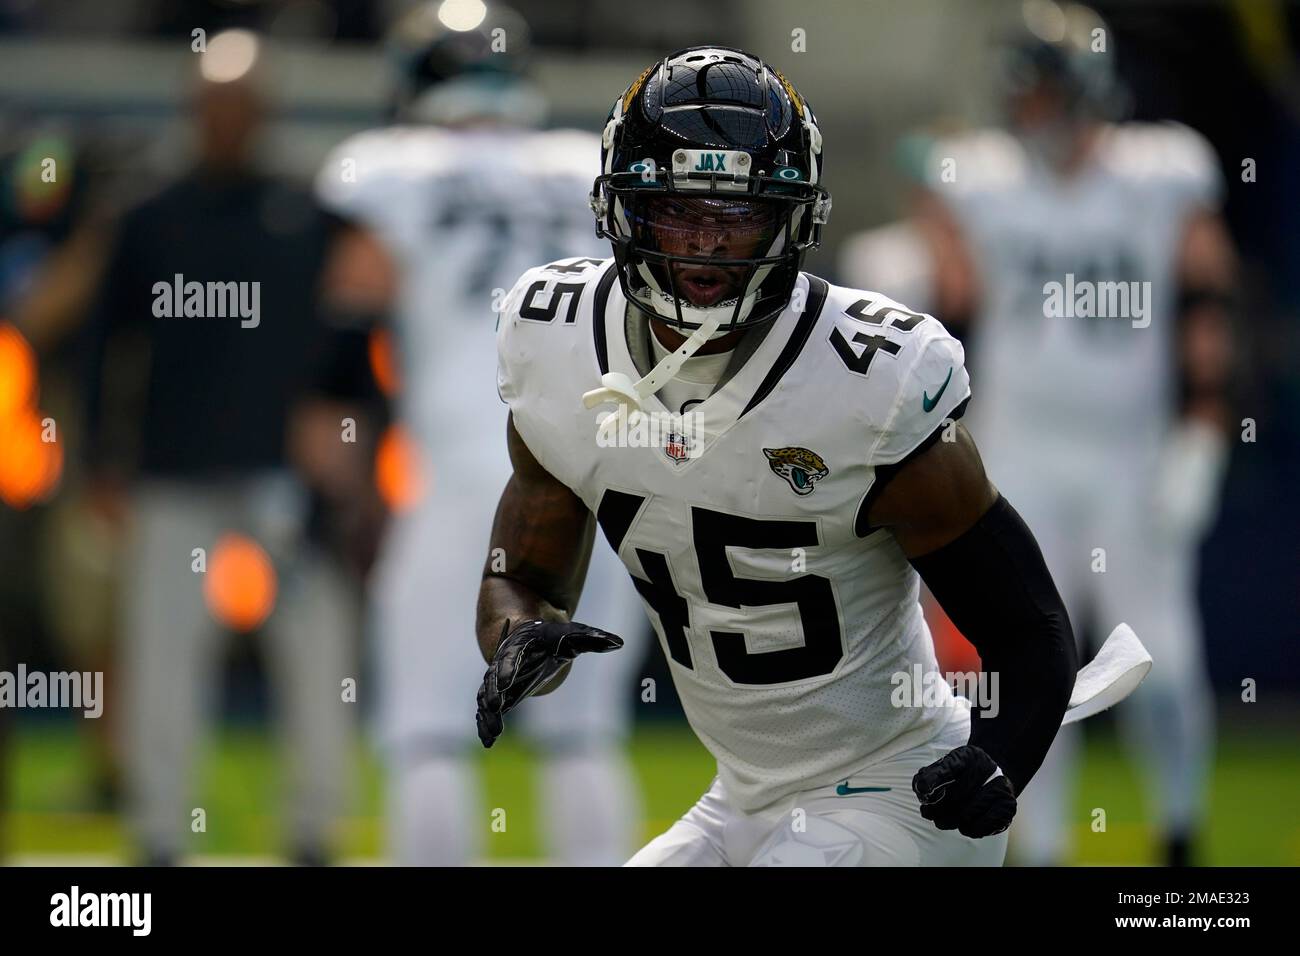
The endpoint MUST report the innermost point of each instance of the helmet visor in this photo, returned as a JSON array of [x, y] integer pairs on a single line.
[[707, 247], [715, 228]]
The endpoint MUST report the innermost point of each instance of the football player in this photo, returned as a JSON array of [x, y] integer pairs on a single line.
[[776, 536], [452, 201], [1105, 425]]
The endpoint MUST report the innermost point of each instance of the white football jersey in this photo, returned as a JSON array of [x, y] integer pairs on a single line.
[[463, 213], [784, 617], [1102, 378]]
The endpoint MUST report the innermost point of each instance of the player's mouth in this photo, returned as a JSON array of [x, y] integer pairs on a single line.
[[705, 286]]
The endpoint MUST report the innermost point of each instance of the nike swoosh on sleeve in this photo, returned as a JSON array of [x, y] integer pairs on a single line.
[[927, 402]]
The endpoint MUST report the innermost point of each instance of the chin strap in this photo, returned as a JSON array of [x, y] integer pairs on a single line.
[[621, 390]]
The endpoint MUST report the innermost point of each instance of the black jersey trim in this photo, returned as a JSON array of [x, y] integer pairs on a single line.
[[615, 514], [599, 304], [817, 291], [885, 473]]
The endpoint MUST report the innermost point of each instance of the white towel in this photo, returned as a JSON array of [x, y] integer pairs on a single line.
[[1120, 665]]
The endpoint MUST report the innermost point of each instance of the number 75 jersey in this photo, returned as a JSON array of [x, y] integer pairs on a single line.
[[789, 623]]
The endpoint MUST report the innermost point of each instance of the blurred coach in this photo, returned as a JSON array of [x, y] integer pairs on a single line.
[[203, 454]]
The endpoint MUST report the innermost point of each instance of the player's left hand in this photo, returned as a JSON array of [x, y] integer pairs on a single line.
[[526, 660], [966, 791]]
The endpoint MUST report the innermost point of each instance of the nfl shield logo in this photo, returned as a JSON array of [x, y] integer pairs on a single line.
[[677, 446]]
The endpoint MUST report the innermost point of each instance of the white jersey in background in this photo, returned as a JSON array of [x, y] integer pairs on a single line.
[[463, 213], [1104, 380], [1076, 418]]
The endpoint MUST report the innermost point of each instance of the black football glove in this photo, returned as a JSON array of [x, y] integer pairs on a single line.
[[960, 792], [525, 660]]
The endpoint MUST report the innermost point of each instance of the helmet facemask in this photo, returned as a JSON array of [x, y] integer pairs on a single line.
[[694, 246]]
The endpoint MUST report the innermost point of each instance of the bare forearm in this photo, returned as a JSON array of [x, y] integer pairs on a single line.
[[531, 593], [538, 554], [537, 560], [502, 599]]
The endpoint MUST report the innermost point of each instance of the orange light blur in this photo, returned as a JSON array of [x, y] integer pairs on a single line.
[[30, 468], [17, 371], [383, 361], [399, 474], [240, 584], [954, 652]]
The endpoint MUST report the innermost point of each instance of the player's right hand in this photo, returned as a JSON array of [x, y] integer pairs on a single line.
[[526, 659]]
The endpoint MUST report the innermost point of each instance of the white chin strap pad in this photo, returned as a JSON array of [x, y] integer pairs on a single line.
[[622, 391]]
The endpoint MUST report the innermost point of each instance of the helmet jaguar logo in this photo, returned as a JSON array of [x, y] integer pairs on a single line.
[[631, 92], [801, 468]]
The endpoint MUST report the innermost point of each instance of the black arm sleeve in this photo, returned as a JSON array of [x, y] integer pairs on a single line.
[[993, 583]]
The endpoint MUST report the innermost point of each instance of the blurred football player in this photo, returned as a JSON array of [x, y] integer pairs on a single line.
[[1106, 423], [777, 463], [451, 203]]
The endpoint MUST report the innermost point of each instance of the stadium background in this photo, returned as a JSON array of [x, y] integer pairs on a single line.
[[103, 85]]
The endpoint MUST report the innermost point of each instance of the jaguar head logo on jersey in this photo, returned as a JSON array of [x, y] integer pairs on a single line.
[[801, 468]]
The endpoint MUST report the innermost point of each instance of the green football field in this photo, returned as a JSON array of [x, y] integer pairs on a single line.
[[51, 816]]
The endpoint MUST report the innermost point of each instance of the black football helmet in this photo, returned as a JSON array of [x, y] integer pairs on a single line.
[[450, 58], [713, 138], [1068, 47]]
